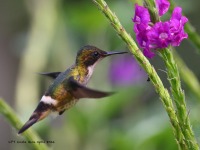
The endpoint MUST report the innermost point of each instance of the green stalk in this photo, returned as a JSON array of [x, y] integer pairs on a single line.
[[179, 98], [12, 118], [188, 76], [144, 63]]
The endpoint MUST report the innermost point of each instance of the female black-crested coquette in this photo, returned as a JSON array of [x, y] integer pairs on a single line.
[[69, 86]]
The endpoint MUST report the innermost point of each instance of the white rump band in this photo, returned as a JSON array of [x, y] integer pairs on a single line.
[[48, 100]]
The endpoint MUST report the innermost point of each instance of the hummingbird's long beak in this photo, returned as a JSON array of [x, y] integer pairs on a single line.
[[113, 53]]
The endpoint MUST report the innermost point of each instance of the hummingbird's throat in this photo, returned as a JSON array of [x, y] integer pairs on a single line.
[[87, 75], [90, 71]]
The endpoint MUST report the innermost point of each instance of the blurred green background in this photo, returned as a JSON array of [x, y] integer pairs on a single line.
[[44, 36]]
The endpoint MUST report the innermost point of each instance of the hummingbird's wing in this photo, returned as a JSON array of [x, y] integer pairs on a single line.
[[50, 74], [80, 91]]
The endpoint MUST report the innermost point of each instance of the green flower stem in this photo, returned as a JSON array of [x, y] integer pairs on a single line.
[[179, 98], [163, 93], [192, 34], [151, 6], [188, 76], [29, 135]]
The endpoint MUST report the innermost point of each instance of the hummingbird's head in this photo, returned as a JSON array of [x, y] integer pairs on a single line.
[[89, 55]]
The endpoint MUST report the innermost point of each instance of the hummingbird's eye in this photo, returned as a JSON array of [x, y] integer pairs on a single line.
[[95, 54]]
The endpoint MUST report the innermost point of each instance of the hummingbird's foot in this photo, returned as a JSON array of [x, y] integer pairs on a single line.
[[61, 112]]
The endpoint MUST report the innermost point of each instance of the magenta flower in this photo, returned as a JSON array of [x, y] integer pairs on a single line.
[[125, 71], [162, 6], [161, 34], [141, 15], [148, 53], [177, 21], [141, 34]]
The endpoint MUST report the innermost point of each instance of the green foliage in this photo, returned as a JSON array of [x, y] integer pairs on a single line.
[[11, 117]]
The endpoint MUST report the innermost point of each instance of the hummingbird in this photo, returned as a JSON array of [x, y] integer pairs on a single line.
[[69, 86]]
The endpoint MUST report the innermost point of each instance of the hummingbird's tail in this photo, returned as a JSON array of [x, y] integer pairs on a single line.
[[40, 113]]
